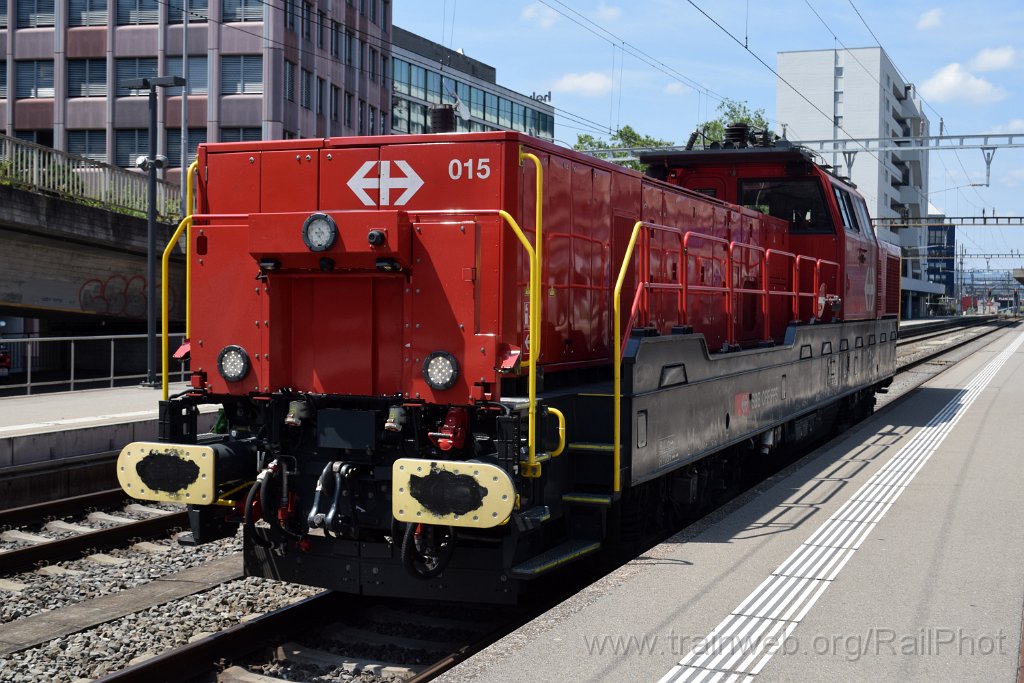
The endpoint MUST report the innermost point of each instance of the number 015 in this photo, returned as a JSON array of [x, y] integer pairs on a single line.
[[469, 169]]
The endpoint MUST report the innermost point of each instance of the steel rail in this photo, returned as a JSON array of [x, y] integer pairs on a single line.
[[28, 514], [101, 539]]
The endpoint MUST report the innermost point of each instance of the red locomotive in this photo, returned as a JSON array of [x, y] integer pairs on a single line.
[[450, 364]]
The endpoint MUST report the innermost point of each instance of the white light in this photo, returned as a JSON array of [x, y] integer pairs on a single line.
[[233, 363], [440, 370]]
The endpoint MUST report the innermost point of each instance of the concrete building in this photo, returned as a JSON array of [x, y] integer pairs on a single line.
[[426, 73], [256, 70], [861, 93]]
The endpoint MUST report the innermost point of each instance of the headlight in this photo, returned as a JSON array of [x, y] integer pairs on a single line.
[[440, 369], [319, 232], [233, 363]]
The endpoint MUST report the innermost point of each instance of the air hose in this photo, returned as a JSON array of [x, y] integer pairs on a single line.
[[415, 547]]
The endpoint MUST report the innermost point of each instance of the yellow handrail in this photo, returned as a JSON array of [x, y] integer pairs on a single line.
[[185, 224], [561, 431], [539, 237], [532, 468], [617, 369]]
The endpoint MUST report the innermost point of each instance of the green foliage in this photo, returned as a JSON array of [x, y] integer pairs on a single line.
[[731, 111], [625, 137]]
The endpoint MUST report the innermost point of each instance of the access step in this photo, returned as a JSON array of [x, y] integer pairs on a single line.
[[556, 557]]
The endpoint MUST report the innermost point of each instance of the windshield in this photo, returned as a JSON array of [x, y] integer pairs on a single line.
[[798, 201]]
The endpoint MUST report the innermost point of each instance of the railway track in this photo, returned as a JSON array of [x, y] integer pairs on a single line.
[[69, 540], [291, 639]]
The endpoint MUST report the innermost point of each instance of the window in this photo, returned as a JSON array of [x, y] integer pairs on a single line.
[[132, 67], [35, 13], [800, 202], [504, 112], [362, 7], [240, 134], [373, 11], [373, 120], [335, 39], [400, 116], [490, 107], [384, 71], [3, 13], [350, 49], [384, 123], [403, 76], [418, 86], [241, 74], [82, 12], [433, 87], [321, 95], [373, 65], [518, 117], [307, 87], [198, 10], [3, 79], [243, 10], [91, 144], [476, 102], [418, 115], [133, 12], [362, 117], [87, 78], [846, 210], [289, 81], [290, 12], [197, 80], [196, 137], [307, 21], [335, 94], [320, 30], [34, 78], [348, 109], [130, 143]]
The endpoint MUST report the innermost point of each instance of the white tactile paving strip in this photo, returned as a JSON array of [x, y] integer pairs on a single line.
[[745, 641]]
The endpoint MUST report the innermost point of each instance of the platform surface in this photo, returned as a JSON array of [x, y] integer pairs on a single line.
[[896, 552], [39, 413]]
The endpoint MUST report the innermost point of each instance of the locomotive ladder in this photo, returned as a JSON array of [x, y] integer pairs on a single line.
[[735, 253]]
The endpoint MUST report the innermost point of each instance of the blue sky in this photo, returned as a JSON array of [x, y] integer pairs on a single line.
[[967, 59]]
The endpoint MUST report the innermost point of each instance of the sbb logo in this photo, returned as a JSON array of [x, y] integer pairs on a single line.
[[359, 183]]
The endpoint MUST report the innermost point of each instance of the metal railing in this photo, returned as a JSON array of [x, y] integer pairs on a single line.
[[70, 363], [38, 168]]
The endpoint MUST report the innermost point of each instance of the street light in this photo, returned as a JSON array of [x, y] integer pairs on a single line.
[[150, 164]]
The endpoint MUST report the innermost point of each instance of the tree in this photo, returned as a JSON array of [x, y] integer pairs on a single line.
[[731, 111], [625, 137]]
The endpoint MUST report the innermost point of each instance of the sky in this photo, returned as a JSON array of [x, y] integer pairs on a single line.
[[966, 59]]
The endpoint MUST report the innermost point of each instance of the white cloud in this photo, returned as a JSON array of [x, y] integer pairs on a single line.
[[675, 88], [930, 19], [1013, 177], [993, 59], [543, 16], [953, 83], [590, 84], [608, 12], [1014, 126]]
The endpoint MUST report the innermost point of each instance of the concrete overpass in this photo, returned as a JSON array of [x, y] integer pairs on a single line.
[[65, 249]]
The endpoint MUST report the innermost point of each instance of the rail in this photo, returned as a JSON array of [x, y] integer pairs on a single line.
[[732, 257], [74, 362], [38, 168]]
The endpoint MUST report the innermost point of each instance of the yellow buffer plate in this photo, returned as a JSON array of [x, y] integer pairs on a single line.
[[451, 493], [167, 472]]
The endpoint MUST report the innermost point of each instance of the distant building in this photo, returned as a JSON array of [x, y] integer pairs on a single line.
[[941, 264], [256, 70], [426, 73], [861, 93]]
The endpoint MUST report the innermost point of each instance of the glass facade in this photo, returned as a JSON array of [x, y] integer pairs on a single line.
[[487, 110]]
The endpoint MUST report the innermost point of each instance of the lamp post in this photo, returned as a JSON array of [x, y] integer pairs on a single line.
[[151, 163]]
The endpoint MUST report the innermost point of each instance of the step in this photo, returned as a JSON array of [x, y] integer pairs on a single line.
[[556, 557], [598, 499]]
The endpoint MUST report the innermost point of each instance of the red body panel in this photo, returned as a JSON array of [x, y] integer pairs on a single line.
[[347, 327]]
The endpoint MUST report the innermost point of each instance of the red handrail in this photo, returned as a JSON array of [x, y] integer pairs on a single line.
[[640, 310]]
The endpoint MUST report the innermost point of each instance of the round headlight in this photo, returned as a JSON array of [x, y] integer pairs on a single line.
[[440, 369], [233, 363], [319, 232]]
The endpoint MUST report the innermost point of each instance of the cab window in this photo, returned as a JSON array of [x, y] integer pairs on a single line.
[[846, 210], [865, 218], [799, 201]]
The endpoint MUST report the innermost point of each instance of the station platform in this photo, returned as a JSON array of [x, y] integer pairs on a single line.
[[58, 425], [894, 552]]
